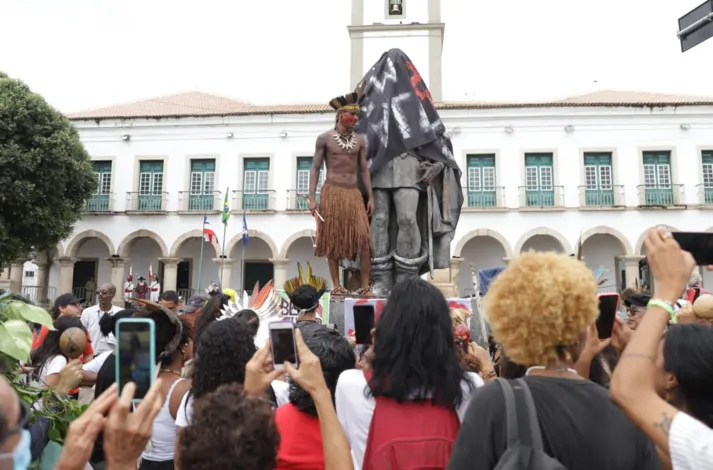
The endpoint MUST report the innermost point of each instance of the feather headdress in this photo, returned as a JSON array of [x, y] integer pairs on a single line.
[[148, 309], [306, 278], [264, 302]]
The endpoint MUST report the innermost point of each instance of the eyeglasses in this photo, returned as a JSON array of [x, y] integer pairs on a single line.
[[103, 292], [23, 422]]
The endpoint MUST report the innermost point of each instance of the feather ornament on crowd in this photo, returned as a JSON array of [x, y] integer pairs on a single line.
[[264, 302]]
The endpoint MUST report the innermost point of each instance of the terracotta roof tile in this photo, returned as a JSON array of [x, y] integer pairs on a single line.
[[197, 104]]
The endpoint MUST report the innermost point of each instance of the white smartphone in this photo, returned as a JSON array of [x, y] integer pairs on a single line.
[[135, 353], [282, 344]]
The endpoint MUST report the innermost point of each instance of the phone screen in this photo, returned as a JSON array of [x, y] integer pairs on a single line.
[[133, 350], [698, 244], [282, 343], [608, 306], [363, 323]]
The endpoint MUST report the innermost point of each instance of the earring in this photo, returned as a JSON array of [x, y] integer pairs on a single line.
[[668, 397]]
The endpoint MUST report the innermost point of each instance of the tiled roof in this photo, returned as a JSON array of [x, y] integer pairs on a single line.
[[196, 104]]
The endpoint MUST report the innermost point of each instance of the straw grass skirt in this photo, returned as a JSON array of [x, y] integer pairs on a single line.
[[345, 233]]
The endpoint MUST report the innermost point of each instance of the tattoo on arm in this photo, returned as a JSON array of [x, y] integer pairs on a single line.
[[664, 424]]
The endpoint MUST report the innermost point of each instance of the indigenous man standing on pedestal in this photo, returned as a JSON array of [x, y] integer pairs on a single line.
[[344, 234]]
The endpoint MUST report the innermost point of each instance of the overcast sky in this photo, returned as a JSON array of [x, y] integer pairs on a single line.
[[87, 53]]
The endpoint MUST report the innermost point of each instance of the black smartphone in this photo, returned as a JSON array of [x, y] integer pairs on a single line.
[[698, 244], [608, 308], [282, 344], [135, 354], [363, 323]]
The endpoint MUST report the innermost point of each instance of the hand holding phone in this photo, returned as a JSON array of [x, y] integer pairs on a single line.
[[282, 344], [135, 355]]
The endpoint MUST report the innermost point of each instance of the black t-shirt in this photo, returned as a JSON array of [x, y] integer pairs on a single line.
[[580, 426], [307, 328], [105, 379]]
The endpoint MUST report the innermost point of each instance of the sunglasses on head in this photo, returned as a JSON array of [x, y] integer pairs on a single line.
[[23, 422]]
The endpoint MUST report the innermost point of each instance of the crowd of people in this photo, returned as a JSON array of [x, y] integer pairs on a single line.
[[547, 392]]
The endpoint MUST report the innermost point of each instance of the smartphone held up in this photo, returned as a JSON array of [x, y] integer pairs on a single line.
[[698, 244], [135, 354], [283, 345], [608, 308]]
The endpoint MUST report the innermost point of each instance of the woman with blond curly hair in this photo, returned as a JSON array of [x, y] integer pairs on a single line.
[[542, 309]]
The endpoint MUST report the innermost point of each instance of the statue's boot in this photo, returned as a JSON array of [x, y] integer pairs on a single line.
[[408, 267], [382, 275]]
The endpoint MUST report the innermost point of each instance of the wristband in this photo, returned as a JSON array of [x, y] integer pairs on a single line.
[[665, 306]]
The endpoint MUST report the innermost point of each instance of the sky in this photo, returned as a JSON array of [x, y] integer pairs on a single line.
[[83, 54]]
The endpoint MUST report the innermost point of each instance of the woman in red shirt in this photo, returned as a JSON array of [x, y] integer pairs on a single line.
[[297, 422]]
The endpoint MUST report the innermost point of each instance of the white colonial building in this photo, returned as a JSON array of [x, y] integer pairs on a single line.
[[604, 167]]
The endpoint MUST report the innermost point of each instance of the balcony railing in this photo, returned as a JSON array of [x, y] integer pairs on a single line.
[[491, 198], [99, 203], [146, 202], [541, 197], [254, 201], [43, 296], [705, 195], [594, 198], [297, 200], [660, 195], [209, 201]]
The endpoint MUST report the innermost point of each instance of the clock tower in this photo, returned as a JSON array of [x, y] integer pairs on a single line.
[[414, 26]]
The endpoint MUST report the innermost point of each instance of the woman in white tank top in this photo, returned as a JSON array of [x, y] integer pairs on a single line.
[[158, 454]]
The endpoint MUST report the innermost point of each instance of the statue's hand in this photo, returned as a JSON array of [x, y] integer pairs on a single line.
[[429, 171]]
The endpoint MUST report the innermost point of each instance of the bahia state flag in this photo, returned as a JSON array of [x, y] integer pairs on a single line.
[[208, 233]]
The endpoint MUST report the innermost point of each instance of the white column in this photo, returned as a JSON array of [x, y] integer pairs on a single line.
[[280, 276], [43, 264], [118, 269], [170, 273], [66, 274], [16, 273], [227, 263]]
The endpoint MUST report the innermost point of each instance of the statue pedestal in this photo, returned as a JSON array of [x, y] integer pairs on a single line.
[[448, 280]]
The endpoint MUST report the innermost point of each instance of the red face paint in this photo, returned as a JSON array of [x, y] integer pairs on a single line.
[[349, 119]]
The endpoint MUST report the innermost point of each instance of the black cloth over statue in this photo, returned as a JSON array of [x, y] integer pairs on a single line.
[[398, 115]]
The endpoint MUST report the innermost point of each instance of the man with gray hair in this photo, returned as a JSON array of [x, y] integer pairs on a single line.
[[696, 280], [93, 314]]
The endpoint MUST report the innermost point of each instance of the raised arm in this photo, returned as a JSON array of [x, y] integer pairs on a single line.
[[365, 175], [632, 386]]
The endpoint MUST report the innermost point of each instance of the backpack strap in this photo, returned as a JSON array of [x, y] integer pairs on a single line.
[[532, 423], [513, 434]]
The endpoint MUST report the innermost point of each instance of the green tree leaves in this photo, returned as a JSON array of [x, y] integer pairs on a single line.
[[45, 173]]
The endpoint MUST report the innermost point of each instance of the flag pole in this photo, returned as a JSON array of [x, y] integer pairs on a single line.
[[226, 215], [242, 270], [200, 262]]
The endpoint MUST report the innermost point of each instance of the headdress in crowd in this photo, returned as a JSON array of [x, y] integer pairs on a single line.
[[213, 289], [306, 278], [350, 103], [460, 313], [148, 309], [264, 302]]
